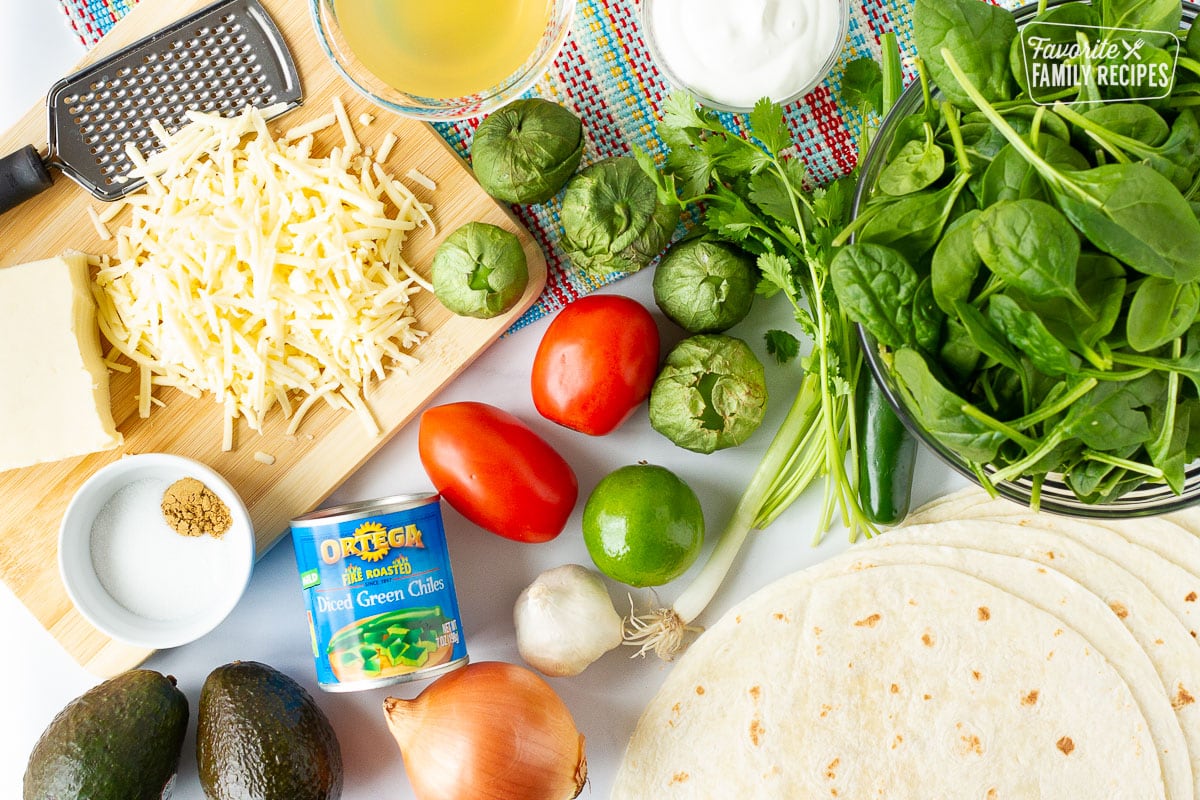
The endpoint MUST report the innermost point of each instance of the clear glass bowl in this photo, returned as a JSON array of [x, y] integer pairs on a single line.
[[646, 19], [1055, 496], [443, 109]]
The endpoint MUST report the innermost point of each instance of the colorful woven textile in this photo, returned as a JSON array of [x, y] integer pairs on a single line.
[[604, 74]]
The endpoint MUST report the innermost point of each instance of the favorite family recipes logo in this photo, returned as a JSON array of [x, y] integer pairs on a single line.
[[1092, 63]]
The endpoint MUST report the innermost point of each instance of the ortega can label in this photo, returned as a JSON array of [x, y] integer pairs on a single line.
[[381, 602]]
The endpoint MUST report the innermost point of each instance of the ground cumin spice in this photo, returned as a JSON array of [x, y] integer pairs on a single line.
[[192, 509]]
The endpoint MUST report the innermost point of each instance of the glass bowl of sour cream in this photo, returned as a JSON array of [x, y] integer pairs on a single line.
[[731, 54]]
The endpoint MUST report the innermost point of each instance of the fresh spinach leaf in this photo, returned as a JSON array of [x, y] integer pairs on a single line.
[[987, 338], [1191, 407], [916, 166], [1132, 120], [1161, 310], [1135, 214], [909, 129], [1101, 283], [912, 224], [1175, 157], [1032, 247], [1064, 21], [1168, 449], [958, 352], [978, 34], [1127, 210], [1186, 365], [981, 142], [1191, 42], [1114, 414], [955, 263], [1143, 17], [1010, 177], [940, 410], [1086, 478], [1021, 117], [876, 286], [927, 318], [1027, 333]]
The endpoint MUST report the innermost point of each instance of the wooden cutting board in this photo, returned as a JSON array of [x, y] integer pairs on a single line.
[[330, 444]]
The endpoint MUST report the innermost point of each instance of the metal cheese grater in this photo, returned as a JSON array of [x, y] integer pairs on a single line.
[[222, 58]]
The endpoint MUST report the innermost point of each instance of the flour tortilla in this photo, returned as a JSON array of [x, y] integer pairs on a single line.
[[863, 683], [1126, 544], [1163, 536], [1159, 633], [1075, 606], [1188, 519], [1169, 536], [948, 506]]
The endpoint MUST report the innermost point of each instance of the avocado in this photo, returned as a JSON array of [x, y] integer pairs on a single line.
[[120, 740], [261, 736]]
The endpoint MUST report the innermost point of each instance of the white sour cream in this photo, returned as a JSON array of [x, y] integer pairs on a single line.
[[733, 52]]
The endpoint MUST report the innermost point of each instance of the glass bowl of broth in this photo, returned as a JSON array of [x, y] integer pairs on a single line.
[[441, 61]]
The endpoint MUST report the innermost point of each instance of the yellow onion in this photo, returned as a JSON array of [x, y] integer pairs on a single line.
[[488, 731]]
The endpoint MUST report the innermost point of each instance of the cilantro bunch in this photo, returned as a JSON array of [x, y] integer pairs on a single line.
[[758, 197]]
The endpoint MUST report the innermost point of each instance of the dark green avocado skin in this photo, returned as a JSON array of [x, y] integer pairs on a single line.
[[120, 740], [260, 736]]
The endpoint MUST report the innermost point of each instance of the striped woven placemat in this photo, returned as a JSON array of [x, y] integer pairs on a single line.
[[605, 75]]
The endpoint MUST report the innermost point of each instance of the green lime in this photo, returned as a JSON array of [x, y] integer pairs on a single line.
[[643, 525]]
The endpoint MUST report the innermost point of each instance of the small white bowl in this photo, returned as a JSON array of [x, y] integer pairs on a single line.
[[233, 554]]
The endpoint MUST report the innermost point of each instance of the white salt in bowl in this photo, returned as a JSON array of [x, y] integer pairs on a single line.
[[134, 577]]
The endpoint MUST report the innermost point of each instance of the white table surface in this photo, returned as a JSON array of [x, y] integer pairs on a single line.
[[37, 678]]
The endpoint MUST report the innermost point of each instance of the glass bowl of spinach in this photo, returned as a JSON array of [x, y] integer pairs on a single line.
[[1026, 275]]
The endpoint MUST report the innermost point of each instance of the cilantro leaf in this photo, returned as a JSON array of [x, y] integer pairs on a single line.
[[862, 84], [796, 172], [733, 156], [689, 165], [771, 194], [767, 125], [832, 203], [779, 194], [731, 218], [781, 344], [776, 274], [680, 112]]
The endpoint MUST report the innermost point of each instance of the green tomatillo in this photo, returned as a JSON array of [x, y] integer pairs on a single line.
[[480, 271]]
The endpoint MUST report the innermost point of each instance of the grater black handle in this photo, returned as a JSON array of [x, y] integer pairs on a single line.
[[22, 175]]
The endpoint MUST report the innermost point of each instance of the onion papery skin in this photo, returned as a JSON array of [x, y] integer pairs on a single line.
[[489, 731]]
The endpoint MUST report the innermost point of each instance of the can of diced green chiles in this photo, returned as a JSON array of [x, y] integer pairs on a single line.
[[381, 602]]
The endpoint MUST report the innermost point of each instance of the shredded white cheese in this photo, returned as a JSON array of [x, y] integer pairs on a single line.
[[416, 176], [264, 458], [311, 127], [254, 271], [352, 146], [385, 149], [101, 229]]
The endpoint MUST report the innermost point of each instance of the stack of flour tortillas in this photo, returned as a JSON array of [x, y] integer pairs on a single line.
[[981, 652]]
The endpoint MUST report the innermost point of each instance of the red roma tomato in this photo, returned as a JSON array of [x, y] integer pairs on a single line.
[[495, 471], [596, 363]]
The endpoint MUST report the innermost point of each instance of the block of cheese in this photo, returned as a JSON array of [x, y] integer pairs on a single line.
[[54, 400]]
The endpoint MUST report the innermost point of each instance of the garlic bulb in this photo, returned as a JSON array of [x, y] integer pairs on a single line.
[[565, 621]]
